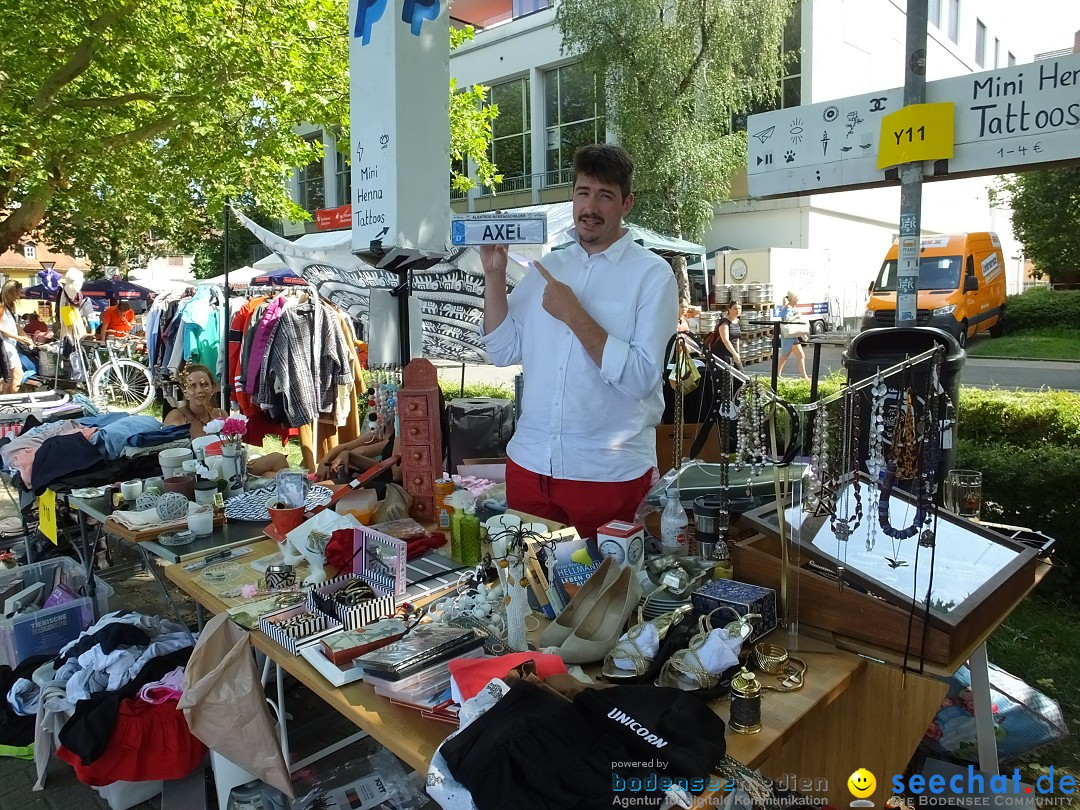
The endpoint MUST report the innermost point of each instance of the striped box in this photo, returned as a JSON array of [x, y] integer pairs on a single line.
[[296, 637], [321, 598]]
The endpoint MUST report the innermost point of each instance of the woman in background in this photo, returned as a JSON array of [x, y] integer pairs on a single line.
[[12, 335], [724, 340], [792, 345]]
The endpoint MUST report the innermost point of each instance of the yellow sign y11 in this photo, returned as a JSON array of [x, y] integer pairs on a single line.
[[915, 133]]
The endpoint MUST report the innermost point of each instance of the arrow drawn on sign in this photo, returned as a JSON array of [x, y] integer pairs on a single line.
[[765, 134], [382, 233]]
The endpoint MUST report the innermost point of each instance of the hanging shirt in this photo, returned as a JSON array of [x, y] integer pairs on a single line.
[[580, 421]]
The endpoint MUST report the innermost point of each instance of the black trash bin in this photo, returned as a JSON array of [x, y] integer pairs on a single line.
[[876, 350]]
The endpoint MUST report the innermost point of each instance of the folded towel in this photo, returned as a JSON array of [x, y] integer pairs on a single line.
[[146, 519]]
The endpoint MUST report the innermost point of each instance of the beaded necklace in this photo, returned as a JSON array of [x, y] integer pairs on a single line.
[[925, 464]]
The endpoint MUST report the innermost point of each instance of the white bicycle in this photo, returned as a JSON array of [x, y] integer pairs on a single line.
[[117, 382]]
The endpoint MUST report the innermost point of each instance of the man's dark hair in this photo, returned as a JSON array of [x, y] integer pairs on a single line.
[[123, 306], [606, 162]]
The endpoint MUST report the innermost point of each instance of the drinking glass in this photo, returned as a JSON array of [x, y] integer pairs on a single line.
[[963, 493]]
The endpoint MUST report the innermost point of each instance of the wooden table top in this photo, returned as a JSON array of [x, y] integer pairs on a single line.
[[414, 738]]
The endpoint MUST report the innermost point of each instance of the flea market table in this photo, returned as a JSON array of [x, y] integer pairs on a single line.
[[853, 712]]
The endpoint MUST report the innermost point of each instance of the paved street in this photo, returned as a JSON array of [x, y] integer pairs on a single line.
[[979, 372]]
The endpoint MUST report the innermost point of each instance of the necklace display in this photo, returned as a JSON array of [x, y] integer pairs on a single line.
[[908, 463], [847, 516], [750, 430], [875, 463], [817, 501]]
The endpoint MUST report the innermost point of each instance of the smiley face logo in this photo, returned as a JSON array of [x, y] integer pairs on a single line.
[[861, 783]]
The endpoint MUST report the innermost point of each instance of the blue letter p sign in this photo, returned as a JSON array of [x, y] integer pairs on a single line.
[[368, 13], [415, 12]]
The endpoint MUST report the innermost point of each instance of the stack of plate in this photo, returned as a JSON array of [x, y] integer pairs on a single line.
[[660, 604]]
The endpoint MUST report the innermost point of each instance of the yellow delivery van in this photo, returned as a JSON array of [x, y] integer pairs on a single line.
[[961, 286]]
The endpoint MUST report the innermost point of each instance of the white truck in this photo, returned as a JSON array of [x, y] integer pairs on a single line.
[[800, 270]]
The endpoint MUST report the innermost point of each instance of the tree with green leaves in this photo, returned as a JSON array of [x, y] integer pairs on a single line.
[[117, 110], [676, 74], [1046, 219]]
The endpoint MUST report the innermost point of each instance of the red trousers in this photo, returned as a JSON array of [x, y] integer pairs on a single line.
[[585, 505]]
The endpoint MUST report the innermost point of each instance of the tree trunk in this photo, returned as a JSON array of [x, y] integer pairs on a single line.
[[22, 220], [678, 264]]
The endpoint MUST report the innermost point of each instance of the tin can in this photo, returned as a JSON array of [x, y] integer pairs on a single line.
[[443, 513], [745, 717]]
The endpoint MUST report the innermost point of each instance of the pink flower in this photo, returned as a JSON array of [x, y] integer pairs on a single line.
[[234, 426]]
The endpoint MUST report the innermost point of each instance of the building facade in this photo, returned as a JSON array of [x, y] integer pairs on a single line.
[[548, 106]]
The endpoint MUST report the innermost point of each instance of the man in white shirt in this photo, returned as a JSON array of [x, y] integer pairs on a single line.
[[589, 327]]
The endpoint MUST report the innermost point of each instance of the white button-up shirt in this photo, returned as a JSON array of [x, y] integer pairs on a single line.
[[579, 421]]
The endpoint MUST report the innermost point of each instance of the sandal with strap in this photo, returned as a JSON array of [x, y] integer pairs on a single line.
[[629, 647], [709, 654]]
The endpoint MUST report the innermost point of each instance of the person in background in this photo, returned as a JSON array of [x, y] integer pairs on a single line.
[[116, 321], [200, 407], [589, 327], [35, 326], [11, 335], [792, 345], [724, 339]]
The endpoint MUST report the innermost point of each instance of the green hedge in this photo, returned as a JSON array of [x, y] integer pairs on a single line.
[[1023, 418], [453, 390], [1040, 308], [1032, 486]]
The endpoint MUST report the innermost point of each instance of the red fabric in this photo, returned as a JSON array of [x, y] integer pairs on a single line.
[[339, 550], [150, 741], [585, 505], [421, 545], [473, 674]]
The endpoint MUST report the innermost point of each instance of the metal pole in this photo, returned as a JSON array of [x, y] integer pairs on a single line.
[[911, 174], [226, 382]]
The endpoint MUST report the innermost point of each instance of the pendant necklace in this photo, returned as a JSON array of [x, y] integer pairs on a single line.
[[845, 519], [821, 503], [906, 448], [875, 464]]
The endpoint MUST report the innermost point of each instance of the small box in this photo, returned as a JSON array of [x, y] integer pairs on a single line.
[[625, 542], [296, 636], [743, 598], [343, 647], [321, 598]]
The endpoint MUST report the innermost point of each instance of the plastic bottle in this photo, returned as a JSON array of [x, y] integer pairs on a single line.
[[673, 523]]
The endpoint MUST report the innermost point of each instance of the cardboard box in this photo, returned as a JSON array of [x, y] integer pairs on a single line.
[[743, 598], [623, 541], [493, 469]]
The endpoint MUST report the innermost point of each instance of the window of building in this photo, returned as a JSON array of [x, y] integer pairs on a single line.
[[343, 170], [30, 250], [522, 8], [176, 261], [311, 182], [510, 148], [954, 20], [997, 52], [933, 13], [791, 85], [1012, 59], [791, 95], [980, 43], [574, 108]]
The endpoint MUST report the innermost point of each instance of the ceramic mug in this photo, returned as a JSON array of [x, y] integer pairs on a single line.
[[191, 466], [155, 484], [200, 519], [131, 490]]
